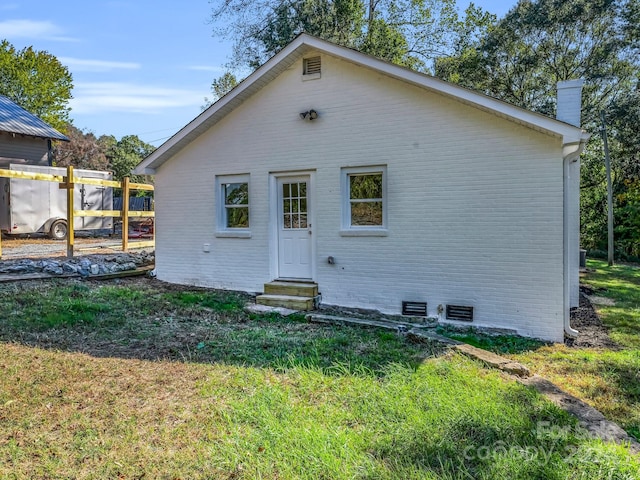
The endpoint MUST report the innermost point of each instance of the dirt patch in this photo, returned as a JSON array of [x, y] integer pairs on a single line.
[[593, 333], [596, 300]]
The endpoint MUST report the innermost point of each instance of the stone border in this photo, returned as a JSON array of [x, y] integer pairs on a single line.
[[89, 266], [590, 418]]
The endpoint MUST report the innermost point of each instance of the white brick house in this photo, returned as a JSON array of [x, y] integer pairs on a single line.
[[403, 188]]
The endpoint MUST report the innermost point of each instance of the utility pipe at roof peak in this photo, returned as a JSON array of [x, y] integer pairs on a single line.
[[570, 153]]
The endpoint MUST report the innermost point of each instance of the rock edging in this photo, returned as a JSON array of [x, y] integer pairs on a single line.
[[590, 418], [84, 266]]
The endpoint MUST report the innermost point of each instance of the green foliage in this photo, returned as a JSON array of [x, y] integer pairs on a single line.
[[494, 343], [105, 153], [37, 81], [622, 284], [256, 396], [212, 300], [220, 87], [66, 306], [538, 43], [622, 117], [411, 33], [627, 230], [124, 154], [340, 20]]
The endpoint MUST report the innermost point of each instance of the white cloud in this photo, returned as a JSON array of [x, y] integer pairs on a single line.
[[32, 29], [128, 97], [81, 65]]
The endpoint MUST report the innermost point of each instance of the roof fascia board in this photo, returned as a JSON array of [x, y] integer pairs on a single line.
[[568, 132], [304, 42], [61, 138], [245, 88]]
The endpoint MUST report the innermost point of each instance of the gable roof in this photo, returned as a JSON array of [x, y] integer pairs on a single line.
[[15, 119], [302, 45]]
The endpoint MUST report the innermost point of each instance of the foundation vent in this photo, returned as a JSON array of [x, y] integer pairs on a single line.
[[414, 309], [460, 312]]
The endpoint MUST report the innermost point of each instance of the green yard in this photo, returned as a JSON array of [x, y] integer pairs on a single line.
[[606, 377], [139, 379]]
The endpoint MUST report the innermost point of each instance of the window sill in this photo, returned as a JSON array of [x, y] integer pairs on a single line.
[[232, 234], [380, 232]]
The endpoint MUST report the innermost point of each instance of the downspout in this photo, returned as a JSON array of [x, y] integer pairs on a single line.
[[570, 153]]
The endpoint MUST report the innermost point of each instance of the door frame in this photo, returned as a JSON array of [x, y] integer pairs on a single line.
[[274, 216]]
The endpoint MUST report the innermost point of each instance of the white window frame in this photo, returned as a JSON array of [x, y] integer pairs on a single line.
[[348, 230], [221, 211]]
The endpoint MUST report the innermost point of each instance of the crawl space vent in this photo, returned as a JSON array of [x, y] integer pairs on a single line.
[[311, 66], [460, 312], [414, 309]]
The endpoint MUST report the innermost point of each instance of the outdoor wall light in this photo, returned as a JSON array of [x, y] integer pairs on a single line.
[[309, 115]]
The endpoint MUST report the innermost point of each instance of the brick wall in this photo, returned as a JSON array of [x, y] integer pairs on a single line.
[[475, 201]]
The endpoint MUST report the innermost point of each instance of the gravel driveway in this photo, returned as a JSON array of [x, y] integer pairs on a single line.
[[35, 247]]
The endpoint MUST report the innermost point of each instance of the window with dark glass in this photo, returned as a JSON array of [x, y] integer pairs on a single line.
[[236, 205], [366, 199]]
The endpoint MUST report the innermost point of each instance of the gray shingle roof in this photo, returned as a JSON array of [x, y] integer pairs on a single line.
[[15, 119]]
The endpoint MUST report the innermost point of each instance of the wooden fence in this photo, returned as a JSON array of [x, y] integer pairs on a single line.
[[68, 181]]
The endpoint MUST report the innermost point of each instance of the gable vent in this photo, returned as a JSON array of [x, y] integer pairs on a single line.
[[414, 309], [311, 66], [459, 312]]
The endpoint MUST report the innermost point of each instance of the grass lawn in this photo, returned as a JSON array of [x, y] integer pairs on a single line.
[[607, 378], [139, 379]]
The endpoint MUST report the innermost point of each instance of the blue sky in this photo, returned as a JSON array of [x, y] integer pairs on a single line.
[[139, 67]]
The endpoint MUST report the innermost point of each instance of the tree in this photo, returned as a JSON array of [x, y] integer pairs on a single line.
[[36, 81], [125, 154], [260, 28], [82, 151], [540, 42], [411, 33], [220, 87], [623, 117]]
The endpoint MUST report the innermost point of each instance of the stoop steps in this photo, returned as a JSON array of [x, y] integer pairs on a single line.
[[292, 295]]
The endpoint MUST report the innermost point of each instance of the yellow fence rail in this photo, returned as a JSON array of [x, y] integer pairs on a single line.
[[68, 181]]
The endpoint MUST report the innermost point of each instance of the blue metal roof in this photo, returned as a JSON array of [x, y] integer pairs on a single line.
[[15, 119]]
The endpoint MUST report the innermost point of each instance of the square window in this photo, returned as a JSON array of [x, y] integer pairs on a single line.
[[364, 200], [233, 205]]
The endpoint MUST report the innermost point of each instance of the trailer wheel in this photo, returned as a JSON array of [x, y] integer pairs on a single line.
[[58, 230]]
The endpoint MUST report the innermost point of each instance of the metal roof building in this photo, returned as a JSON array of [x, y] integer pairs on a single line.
[[15, 119]]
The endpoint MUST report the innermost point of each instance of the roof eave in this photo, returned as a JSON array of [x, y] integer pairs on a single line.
[[303, 43], [254, 82], [61, 137]]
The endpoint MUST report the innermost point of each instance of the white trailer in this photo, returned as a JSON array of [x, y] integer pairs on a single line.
[[36, 206]]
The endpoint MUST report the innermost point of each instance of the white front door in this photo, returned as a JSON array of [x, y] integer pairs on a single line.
[[294, 229]]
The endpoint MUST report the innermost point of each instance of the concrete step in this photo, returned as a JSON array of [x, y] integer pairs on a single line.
[[286, 301], [295, 289]]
